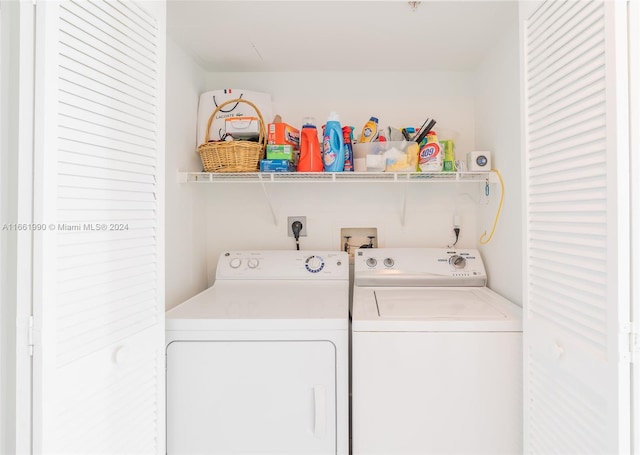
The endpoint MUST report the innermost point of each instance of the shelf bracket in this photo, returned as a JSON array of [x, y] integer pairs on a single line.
[[269, 202], [403, 209]]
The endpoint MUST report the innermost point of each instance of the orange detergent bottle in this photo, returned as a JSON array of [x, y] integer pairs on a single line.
[[310, 155]]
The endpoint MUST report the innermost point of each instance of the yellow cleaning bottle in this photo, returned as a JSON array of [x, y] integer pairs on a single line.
[[369, 131]]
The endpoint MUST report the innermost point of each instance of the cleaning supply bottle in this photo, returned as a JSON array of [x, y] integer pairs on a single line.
[[347, 132], [310, 155], [369, 131], [430, 154], [448, 155], [333, 145]]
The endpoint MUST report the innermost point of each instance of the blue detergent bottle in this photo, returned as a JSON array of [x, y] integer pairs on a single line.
[[333, 145]]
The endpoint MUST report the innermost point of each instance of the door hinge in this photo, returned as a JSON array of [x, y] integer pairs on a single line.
[[30, 336]]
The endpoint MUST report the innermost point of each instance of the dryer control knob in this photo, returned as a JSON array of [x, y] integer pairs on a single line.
[[388, 262], [372, 262], [458, 262], [253, 263], [314, 264], [235, 263]]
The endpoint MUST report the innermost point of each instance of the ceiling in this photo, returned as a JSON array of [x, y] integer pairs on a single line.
[[239, 35]]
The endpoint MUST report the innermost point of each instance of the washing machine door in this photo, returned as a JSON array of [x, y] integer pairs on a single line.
[[251, 397]]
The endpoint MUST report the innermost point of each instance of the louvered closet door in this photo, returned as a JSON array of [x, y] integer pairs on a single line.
[[98, 278], [577, 239]]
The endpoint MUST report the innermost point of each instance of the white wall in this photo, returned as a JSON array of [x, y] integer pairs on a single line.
[[497, 114], [239, 217], [479, 110], [184, 213]]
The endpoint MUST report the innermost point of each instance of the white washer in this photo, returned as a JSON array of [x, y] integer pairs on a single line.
[[258, 363], [436, 356]]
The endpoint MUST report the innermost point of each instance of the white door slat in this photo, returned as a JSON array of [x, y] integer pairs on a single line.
[[84, 236], [107, 163], [79, 267], [560, 75], [584, 163], [85, 182], [569, 102], [105, 205], [571, 153], [543, 19], [92, 303], [133, 34], [111, 285], [573, 26], [539, 238], [132, 94], [562, 186], [128, 22], [81, 84], [88, 18], [580, 53], [590, 127], [73, 217], [107, 174], [547, 245], [101, 139], [591, 73], [78, 108], [66, 192], [566, 117], [85, 93], [88, 126], [76, 147], [138, 85], [132, 288]]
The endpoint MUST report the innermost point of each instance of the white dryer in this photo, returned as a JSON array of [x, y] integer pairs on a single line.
[[258, 363], [436, 356]]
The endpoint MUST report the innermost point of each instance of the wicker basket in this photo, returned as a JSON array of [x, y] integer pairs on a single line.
[[232, 156]]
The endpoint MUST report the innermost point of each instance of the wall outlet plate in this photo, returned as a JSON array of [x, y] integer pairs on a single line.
[[302, 219], [358, 238]]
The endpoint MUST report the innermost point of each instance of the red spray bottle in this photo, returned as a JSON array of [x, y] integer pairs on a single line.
[[310, 154]]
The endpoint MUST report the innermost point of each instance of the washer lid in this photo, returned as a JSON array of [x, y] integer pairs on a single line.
[[430, 309], [423, 304]]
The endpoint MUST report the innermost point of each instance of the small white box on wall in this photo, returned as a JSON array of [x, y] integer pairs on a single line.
[[478, 161]]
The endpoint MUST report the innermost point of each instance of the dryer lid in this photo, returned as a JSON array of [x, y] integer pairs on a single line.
[[427, 304]]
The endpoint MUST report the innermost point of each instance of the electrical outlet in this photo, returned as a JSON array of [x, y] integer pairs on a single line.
[[302, 219], [352, 239]]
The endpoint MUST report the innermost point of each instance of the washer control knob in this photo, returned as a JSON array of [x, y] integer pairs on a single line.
[[372, 262], [457, 262], [314, 264], [235, 263], [388, 262], [253, 263]]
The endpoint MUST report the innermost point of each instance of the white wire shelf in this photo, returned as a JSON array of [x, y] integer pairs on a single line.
[[328, 177]]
